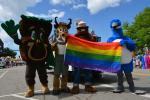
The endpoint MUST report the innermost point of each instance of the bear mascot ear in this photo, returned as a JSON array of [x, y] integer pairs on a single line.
[[23, 17], [29, 18]]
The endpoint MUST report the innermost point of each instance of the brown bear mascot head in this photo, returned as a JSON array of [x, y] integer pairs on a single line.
[[34, 36], [34, 45]]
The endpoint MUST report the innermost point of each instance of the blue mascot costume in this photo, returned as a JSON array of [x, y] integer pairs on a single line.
[[126, 60]]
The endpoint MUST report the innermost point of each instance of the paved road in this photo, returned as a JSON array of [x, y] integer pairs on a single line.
[[12, 87]]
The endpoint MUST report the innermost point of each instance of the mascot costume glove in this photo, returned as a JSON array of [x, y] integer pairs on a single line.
[[11, 29], [129, 44]]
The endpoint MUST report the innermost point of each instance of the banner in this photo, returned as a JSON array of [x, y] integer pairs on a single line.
[[99, 56]]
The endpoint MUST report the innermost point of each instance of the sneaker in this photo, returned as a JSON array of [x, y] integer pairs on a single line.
[[118, 90]]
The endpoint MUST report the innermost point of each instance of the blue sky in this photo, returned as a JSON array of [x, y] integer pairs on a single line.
[[96, 13]]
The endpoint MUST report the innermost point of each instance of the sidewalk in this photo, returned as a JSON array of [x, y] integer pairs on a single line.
[[141, 72]]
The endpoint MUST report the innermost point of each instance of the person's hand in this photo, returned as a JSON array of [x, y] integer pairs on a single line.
[[11, 29]]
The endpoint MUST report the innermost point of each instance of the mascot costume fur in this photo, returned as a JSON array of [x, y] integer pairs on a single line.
[[59, 46], [126, 61], [83, 33], [34, 48]]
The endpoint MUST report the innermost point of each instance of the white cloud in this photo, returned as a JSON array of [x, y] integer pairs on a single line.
[[56, 13], [3, 35], [95, 6], [77, 6], [12, 9], [8, 42], [51, 14], [62, 2], [37, 15]]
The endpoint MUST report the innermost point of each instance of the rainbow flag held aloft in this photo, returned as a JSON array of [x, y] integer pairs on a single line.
[[99, 56]]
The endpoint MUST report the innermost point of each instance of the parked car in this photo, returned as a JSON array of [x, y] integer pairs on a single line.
[[2, 63]]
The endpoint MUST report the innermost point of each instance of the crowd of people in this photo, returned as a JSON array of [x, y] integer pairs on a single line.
[[12, 62], [142, 61]]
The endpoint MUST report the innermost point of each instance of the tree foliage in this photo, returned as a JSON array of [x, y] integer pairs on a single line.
[[9, 52], [139, 30]]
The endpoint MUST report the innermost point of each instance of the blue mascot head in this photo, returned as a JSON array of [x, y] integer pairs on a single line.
[[116, 27]]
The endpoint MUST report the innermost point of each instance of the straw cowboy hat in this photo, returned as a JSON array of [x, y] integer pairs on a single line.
[[81, 24]]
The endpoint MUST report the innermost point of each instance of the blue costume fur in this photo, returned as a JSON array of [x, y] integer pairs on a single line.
[[126, 42]]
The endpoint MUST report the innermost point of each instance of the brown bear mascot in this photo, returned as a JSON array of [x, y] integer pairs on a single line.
[[34, 48]]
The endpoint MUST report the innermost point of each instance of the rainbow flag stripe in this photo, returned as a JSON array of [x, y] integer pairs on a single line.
[[99, 56]]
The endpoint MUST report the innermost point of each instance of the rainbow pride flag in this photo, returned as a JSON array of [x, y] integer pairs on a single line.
[[99, 56]]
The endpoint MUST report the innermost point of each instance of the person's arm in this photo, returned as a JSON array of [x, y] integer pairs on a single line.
[[130, 44]]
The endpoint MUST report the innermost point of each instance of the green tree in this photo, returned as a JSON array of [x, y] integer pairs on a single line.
[[139, 30], [9, 52]]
